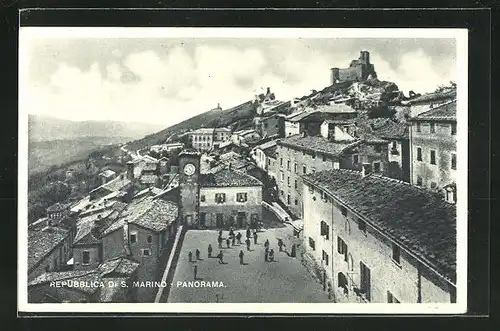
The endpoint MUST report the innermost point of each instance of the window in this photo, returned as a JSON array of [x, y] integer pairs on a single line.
[[419, 154], [295, 168], [453, 161], [325, 257], [433, 157], [312, 244], [453, 128], [150, 239], [288, 165], [418, 127], [296, 202], [295, 184], [288, 199], [133, 237], [281, 191], [362, 226], [202, 198], [324, 157], [241, 197], [394, 145], [365, 280], [304, 169], [396, 253], [325, 230], [146, 252], [281, 161], [220, 197], [313, 155], [433, 185], [282, 176], [419, 181], [378, 149], [343, 210], [391, 298], [85, 257], [376, 166], [433, 127], [268, 162], [288, 181], [342, 248], [355, 158]]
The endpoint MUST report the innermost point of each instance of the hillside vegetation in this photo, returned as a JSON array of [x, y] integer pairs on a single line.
[[213, 118]]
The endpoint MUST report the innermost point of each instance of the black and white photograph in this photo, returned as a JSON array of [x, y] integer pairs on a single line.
[[242, 170]]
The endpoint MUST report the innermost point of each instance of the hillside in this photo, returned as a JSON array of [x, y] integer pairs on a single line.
[[43, 128], [44, 154], [216, 117]]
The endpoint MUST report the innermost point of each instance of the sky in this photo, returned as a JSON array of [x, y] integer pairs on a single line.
[[166, 80]]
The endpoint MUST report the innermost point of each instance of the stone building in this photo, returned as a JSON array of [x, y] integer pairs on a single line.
[[229, 198], [376, 239], [49, 249], [358, 70], [106, 176], [433, 151], [245, 137], [300, 155], [270, 125], [426, 102], [260, 154], [221, 135], [202, 139], [216, 199]]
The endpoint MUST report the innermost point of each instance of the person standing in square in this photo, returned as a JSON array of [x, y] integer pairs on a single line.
[[241, 257]]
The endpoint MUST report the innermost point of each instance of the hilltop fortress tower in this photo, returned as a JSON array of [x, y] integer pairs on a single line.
[[359, 70]]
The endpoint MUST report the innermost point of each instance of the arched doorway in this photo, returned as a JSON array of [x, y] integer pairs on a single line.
[[394, 170]]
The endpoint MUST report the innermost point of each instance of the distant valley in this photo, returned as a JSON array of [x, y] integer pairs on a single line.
[[55, 141]]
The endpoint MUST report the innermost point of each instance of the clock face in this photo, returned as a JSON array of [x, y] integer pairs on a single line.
[[189, 169]]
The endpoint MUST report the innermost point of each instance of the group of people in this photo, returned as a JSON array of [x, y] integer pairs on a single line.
[[231, 239]]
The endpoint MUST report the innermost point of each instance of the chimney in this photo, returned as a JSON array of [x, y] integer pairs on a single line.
[[130, 170], [366, 170]]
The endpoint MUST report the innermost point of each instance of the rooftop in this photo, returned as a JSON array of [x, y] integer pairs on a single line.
[[193, 152], [228, 178], [267, 145], [316, 144], [203, 131], [222, 130], [416, 219], [116, 184], [445, 112], [149, 179], [435, 96], [146, 212], [120, 266], [107, 173], [42, 242], [58, 207]]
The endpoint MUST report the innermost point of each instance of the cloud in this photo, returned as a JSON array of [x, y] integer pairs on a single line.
[[170, 84]]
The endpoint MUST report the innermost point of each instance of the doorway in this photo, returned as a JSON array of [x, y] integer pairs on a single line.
[[203, 219], [241, 219], [219, 221], [365, 281]]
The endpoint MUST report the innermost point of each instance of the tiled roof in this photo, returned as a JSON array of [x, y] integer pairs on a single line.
[[150, 166], [385, 128], [228, 178], [222, 130], [418, 220], [62, 275], [445, 112], [120, 266], [267, 145], [58, 207], [42, 242], [152, 214], [190, 152], [435, 96], [84, 226], [116, 184], [316, 144], [148, 179], [107, 173]]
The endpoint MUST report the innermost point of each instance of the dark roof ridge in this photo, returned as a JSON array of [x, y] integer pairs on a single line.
[[435, 108]]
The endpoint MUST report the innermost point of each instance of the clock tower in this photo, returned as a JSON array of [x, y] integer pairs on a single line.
[[189, 187]]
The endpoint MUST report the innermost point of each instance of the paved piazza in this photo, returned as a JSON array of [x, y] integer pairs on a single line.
[[285, 280]]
